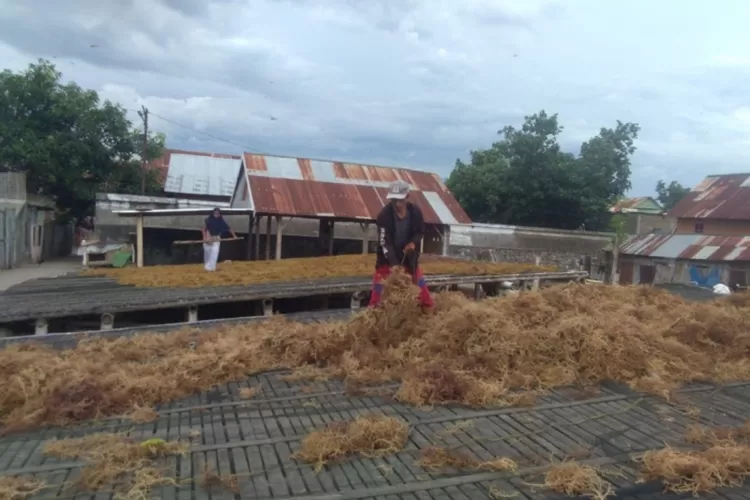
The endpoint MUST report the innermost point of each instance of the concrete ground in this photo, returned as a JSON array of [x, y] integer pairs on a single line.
[[50, 269]]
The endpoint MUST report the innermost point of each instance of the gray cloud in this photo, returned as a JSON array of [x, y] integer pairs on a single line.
[[411, 82]]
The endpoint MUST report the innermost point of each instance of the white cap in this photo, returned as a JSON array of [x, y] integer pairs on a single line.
[[398, 190]]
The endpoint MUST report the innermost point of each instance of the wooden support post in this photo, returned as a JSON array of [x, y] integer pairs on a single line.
[[330, 240], [280, 225], [107, 322], [446, 240], [139, 240], [192, 314], [325, 236], [267, 307], [356, 300], [365, 237], [249, 250], [535, 284], [613, 277], [256, 255], [268, 238], [41, 327]]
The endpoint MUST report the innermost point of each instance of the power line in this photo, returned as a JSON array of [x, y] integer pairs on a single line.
[[244, 147]]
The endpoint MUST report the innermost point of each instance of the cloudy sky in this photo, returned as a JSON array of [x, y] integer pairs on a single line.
[[409, 82]]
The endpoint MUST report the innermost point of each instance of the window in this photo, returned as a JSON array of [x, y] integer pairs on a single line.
[[699, 228]]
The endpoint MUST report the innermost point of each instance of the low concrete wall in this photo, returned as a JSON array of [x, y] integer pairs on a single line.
[[567, 250]]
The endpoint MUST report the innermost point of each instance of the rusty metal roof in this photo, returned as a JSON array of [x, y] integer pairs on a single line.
[[717, 197], [689, 247], [301, 187]]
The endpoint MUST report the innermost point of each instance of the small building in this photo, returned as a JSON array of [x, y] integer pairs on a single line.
[[686, 259], [719, 206], [643, 215], [28, 230], [710, 243], [639, 205], [334, 194]]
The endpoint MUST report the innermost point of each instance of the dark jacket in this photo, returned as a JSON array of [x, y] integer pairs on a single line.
[[216, 226], [388, 255]]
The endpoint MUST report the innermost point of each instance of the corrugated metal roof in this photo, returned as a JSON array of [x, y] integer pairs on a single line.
[[632, 204], [201, 175], [689, 247], [316, 188], [161, 165], [717, 197]]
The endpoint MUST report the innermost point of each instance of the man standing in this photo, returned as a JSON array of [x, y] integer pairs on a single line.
[[400, 227], [215, 226]]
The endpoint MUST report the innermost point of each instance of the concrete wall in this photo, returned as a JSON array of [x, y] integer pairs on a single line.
[[649, 223], [568, 250]]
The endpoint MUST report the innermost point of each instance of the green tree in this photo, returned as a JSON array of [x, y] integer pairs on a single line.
[[669, 195], [526, 178], [126, 179], [64, 137]]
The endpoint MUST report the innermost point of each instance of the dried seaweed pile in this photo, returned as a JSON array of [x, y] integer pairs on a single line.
[[118, 463], [574, 479], [722, 459], [478, 353], [253, 272], [435, 458], [19, 488], [369, 436]]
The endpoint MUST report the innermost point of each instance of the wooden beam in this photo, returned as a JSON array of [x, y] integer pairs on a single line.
[[268, 237], [330, 241], [139, 240], [197, 242], [446, 240], [365, 237], [249, 250], [280, 225], [256, 255]]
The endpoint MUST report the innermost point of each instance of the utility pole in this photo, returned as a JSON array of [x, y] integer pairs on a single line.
[[144, 156]]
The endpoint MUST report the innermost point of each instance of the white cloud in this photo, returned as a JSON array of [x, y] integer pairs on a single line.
[[410, 81]]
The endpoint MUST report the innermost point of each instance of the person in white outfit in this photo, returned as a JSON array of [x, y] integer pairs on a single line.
[[214, 227]]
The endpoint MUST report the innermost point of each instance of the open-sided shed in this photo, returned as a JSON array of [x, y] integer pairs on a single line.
[[283, 187]]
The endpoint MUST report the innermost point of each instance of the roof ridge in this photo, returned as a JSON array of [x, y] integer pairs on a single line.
[[348, 162]]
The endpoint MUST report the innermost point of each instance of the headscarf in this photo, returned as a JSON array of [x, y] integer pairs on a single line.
[[216, 225]]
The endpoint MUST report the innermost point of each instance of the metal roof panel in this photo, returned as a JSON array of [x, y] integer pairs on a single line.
[[440, 208], [689, 247], [717, 197], [322, 170], [674, 245], [285, 168], [201, 175]]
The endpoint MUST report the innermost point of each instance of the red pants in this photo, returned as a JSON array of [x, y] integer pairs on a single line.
[[382, 273]]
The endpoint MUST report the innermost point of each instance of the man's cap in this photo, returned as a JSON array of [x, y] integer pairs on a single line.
[[398, 190]]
